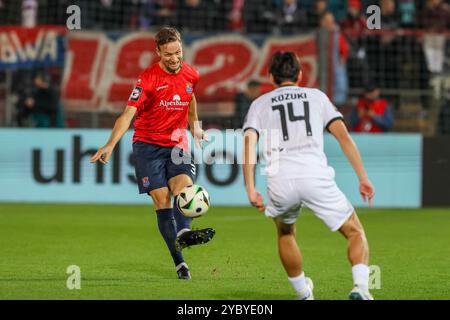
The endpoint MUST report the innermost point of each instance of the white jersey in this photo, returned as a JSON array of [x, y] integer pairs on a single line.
[[291, 121]]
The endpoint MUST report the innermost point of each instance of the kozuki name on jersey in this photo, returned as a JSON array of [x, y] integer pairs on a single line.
[[288, 96], [162, 101]]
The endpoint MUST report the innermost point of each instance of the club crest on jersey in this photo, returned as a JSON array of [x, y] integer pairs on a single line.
[[145, 182], [189, 88], [136, 93]]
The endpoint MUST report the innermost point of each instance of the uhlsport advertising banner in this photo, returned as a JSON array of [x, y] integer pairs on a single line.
[[52, 165]]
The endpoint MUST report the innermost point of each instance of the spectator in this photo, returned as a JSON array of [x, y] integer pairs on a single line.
[[290, 18], [39, 109], [314, 14], [235, 16], [339, 56], [243, 100], [29, 13], [436, 16], [385, 51], [372, 113], [389, 17], [353, 28], [221, 10], [194, 15], [337, 7], [258, 16], [407, 12], [157, 13], [354, 24]]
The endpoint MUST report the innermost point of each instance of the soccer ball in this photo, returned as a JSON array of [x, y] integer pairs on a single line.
[[193, 201]]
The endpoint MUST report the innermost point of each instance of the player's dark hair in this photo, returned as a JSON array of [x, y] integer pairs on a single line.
[[284, 66], [167, 35]]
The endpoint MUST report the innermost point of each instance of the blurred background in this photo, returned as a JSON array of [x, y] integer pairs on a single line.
[[89, 73], [393, 79]]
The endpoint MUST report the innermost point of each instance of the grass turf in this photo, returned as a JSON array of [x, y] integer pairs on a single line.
[[122, 255]]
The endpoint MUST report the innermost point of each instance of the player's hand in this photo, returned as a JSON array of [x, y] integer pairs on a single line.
[[103, 154], [367, 191], [200, 136], [256, 200]]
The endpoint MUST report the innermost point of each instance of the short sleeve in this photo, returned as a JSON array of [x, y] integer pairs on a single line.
[[252, 120], [330, 112], [139, 94]]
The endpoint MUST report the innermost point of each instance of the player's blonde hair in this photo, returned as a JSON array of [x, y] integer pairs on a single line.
[[167, 35]]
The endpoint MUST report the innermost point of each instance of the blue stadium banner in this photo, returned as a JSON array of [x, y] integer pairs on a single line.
[[52, 165], [29, 48]]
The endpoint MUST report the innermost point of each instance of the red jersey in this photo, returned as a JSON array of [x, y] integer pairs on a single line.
[[367, 124], [162, 100]]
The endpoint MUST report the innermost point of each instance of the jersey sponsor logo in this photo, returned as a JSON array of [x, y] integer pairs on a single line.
[[162, 87], [136, 93], [189, 88], [176, 101]]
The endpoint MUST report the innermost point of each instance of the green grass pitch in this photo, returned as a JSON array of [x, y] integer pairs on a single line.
[[122, 255]]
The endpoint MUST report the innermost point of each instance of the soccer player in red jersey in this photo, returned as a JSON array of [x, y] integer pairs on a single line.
[[163, 104]]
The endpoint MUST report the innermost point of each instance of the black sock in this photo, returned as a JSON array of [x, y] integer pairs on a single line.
[[183, 222], [166, 225]]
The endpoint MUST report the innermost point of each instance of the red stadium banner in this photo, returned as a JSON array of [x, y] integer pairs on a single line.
[[100, 72], [29, 48]]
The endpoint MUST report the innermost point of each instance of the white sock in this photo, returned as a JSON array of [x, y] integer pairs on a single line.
[[299, 284], [183, 264], [361, 276], [182, 231]]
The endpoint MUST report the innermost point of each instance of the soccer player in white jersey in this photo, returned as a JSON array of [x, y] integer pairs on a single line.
[[291, 121]]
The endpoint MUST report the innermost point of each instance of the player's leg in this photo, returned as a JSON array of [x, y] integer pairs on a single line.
[[185, 236], [291, 259], [288, 249], [284, 207], [167, 228], [176, 184], [358, 255], [181, 172], [329, 204], [358, 248], [151, 179]]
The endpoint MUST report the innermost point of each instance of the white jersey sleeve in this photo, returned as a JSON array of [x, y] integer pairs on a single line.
[[252, 119], [329, 111]]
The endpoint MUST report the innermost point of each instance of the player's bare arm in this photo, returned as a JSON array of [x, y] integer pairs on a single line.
[[348, 146], [194, 124], [250, 142], [120, 127]]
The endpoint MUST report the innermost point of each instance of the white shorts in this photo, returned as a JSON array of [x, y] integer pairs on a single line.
[[322, 196]]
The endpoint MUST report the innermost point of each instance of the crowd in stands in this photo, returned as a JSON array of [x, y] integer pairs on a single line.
[[251, 16], [361, 59]]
